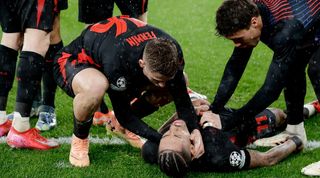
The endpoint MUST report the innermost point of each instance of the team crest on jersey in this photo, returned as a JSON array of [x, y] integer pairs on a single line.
[[236, 159], [121, 84]]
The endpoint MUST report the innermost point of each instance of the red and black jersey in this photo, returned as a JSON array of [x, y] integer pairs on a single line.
[[290, 30], [114, 47], [305, 11]]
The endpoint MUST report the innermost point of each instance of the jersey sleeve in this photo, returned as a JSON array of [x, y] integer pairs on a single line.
[[178, 89], [121, 107], [284, 61], [231, 76]]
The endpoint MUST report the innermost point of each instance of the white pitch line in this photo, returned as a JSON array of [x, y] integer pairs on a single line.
[[94, 140], [311, 145]]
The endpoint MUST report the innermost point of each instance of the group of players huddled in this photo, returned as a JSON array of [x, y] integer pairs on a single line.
[[141, 68]]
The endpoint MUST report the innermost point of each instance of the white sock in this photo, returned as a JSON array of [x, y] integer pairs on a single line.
[[3, 117], [19, 123], [298, 130], [310, 108]]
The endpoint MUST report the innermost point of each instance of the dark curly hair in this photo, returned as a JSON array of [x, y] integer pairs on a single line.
[[235, 15]]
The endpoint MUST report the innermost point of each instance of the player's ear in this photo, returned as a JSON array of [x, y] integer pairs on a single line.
[[141, 63], [192, 150]]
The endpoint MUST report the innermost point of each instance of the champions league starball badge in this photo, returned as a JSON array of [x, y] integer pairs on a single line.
[[121, 84], [236, 159]]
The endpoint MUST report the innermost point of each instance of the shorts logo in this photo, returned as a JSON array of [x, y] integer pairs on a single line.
[[120, 84], [236, 159]]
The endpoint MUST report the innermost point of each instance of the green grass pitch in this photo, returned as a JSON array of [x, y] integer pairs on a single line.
[[192, 23]]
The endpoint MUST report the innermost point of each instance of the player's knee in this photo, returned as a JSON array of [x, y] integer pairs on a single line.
[[11, 40], [37, 41]]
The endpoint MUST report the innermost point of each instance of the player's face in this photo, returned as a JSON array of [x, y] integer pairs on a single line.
[[177, 138], [247, 38], [156, 78]]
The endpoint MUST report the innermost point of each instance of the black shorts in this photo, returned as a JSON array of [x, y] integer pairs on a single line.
[[70, 61], [62, 5], [93, 11], [263, 125], [17, 15]]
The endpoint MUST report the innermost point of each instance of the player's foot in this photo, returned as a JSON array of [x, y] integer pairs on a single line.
[[114, 127], [101, 119], [5, 127], [272, 141], [195, 95], [47, 118], [291, 130], [35, 108], [312, 169], [10, 116], [311, 109], [79, 152], [30, 139], [316, 105]]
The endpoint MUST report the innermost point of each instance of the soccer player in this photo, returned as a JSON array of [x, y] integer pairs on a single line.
[[46, 111], [93, 11], [175, 154], [289, 29], [128, 59], [33, 21]]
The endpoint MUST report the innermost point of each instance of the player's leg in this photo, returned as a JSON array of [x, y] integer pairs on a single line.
[[86, 101], [29, 72], [10, 44], [137, 9], [47, 117]]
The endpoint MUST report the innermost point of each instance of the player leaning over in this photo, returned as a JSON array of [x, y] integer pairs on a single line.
[[291, 35], [127, 59]]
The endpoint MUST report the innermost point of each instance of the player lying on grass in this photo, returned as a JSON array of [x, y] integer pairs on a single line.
[[223, 147]]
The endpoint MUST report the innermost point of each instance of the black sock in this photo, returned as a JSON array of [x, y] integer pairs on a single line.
[[8, 60], [49, 84], [103, 107], [81, 129], [29, 72]]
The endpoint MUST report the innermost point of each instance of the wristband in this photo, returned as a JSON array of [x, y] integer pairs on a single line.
[[296, 141], [207, 124]]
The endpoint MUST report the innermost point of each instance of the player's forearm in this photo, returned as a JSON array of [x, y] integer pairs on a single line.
[[230, 79]]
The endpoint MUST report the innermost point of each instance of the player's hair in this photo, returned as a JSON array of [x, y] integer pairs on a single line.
[[173, 163], [162, 56], [235, 15]]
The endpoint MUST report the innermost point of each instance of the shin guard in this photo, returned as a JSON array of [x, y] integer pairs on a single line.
[[8, 60], [29, 72], [49, 85]]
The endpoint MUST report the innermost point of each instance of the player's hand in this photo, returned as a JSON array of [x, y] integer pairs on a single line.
[[198, 147], [212, 118], [200, 106]]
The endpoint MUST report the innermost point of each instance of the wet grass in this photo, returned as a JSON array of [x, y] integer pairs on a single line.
[[192, 24]]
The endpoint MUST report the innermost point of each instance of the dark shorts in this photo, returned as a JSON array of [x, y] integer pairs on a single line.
[[17, 15], [62, 5], [70, 61], [93, 11], [263, 125]]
